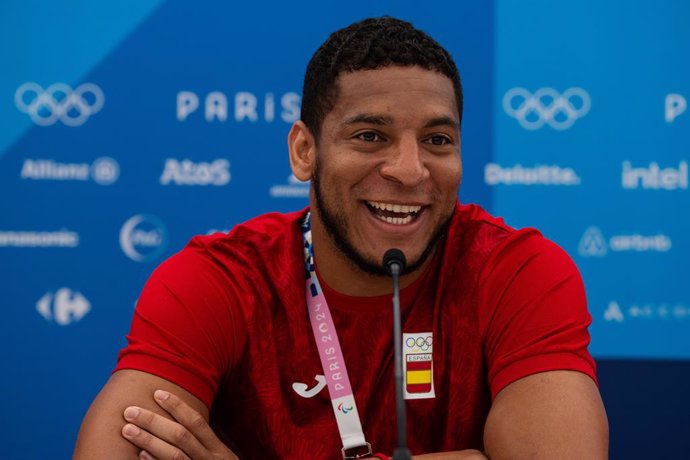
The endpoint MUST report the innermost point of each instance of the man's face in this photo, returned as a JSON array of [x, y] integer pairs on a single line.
[[388, 164]]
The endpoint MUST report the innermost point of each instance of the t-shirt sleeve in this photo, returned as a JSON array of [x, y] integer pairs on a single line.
[[186, 327], [535, 311]]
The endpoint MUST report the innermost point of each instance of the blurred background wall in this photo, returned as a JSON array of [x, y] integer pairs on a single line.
[[127, 127]]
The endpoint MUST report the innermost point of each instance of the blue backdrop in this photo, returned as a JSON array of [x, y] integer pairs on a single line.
[[130, 126]]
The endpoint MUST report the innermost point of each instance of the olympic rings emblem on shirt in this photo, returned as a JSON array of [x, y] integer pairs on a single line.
[[59, 101], [421, 342], [546, 106]]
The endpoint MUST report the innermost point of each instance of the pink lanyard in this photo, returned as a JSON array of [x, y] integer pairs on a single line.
[[332, 361]]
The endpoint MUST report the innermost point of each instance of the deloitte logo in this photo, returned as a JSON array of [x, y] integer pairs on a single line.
[[594, 244], [64, 306], [143, 238]]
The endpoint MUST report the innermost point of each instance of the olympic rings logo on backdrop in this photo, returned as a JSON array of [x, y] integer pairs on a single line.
[[59, 102], [424, 343], [546, 106]]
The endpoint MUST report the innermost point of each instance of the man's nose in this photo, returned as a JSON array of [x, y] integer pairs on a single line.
[[405, 163]]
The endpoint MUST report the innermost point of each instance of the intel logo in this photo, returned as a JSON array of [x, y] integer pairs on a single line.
[[143, 238]]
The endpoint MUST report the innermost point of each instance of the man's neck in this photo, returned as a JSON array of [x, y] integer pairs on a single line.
[[341, 274]]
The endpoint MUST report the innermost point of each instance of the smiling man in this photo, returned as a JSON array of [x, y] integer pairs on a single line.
[[253, 364]]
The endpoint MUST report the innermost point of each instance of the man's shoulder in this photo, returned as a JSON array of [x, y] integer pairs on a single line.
[[262, 232]]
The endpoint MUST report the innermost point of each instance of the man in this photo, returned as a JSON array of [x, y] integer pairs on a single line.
[[497, 318]]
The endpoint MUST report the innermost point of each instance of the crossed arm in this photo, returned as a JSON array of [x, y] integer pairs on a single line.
[[556, 414]]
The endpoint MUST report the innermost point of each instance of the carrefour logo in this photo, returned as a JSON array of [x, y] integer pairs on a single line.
[[64, 306], [143, 238], [594, 244]]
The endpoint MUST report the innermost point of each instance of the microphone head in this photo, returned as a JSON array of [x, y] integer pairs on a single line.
[[394, 256]]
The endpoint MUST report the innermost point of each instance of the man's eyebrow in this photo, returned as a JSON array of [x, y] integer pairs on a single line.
[[369, 118], [443, 121]]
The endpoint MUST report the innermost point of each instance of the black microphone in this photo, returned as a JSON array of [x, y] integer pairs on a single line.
[[394, 262]]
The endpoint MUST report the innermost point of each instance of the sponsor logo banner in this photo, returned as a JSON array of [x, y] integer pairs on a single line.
[[594, 244], [546, 107], [103, 171], [294, 188], [655, 178], [143, 238], [63, 307], [495, 174], [187, 172], [59, 102], [33, 239], [617, 312]]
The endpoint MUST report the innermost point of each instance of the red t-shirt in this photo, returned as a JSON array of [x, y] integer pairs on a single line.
[[226, 319]]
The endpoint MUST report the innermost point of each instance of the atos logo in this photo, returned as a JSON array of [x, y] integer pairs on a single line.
[[59, 102], [546, 107], [143, 238], [186, 172], [63, 307]]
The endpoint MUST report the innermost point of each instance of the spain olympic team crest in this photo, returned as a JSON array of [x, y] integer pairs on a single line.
[[418, 349]]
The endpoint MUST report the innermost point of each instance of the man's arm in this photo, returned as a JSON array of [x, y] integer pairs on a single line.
[[100, 435], [556, 414]]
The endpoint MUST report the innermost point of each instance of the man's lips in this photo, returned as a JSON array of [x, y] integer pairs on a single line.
[[394, 213]]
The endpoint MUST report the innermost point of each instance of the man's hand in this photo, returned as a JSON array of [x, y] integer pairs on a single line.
[[190, 437]]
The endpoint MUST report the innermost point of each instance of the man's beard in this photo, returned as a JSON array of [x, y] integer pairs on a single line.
[[336, 226]]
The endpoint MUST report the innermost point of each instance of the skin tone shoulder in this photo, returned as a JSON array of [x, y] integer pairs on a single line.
[[385, 173]]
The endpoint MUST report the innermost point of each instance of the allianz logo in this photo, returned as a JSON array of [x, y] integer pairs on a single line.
[[187, 172], [654, 177], [617, 312], [143, 238], [63, 306], [103, 171], [495, 174], [594, 244], [244, 106], [294, 188]]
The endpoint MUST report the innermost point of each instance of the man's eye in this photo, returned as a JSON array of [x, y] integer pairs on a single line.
[[369, 136], [439, 140]]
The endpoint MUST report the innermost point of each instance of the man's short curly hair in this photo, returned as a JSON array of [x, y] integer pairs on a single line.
[[366, 45]]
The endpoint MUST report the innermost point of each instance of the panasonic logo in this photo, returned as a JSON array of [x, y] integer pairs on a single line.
[[187, 172], [655, 178], [495, 174], [24, 239]]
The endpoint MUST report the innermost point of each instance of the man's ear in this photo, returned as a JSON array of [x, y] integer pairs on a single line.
[[302, 147]]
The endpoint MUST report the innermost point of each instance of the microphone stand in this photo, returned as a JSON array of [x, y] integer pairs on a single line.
[[395, 263]]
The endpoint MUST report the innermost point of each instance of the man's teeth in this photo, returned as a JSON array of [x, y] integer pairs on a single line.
[[402, 208], [396, 220], [404, 213]]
